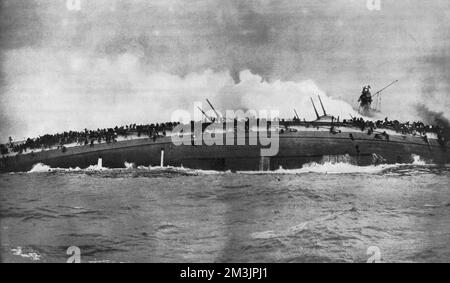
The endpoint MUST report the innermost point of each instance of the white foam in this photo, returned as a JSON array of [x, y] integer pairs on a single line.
[[129, 165], [96, 168], [43, 168], [344, 167], [40, 168], [328, 168], [418, 160], [31, 255]]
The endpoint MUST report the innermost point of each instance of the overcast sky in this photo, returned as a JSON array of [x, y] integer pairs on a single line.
[[126, 61]]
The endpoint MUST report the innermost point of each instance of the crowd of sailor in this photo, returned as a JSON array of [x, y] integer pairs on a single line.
[[111, 135], [87, 137], [414, 128]]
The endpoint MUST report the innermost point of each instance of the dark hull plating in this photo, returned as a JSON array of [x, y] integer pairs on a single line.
[[295, 150]]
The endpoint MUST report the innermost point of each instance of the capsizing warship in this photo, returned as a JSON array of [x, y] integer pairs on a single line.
[[299, 142]]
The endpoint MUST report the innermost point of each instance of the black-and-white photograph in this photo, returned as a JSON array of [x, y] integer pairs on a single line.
[[224, 131]]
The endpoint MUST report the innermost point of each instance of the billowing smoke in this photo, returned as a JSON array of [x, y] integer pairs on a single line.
[[434, 118], [431, 117], [98, 93]]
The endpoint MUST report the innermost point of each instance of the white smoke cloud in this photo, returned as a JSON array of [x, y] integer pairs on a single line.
[[284, 96], [71, 92]]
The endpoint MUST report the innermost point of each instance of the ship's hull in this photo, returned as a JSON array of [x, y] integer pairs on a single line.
[[295, 150]]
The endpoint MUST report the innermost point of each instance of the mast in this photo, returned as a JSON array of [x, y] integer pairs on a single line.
[[295, 111], [212, 107], [323, 108], [315, 110], [207, 117]]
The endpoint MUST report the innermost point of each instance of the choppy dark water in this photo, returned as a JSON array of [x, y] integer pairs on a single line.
[[176, 215]]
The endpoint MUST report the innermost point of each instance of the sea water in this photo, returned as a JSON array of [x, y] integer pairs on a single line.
[[320, 213]]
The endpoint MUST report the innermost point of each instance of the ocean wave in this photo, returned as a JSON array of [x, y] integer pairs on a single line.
[[43, 168], [327, 167], [40, 168], [293, 230], [344, 167]]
